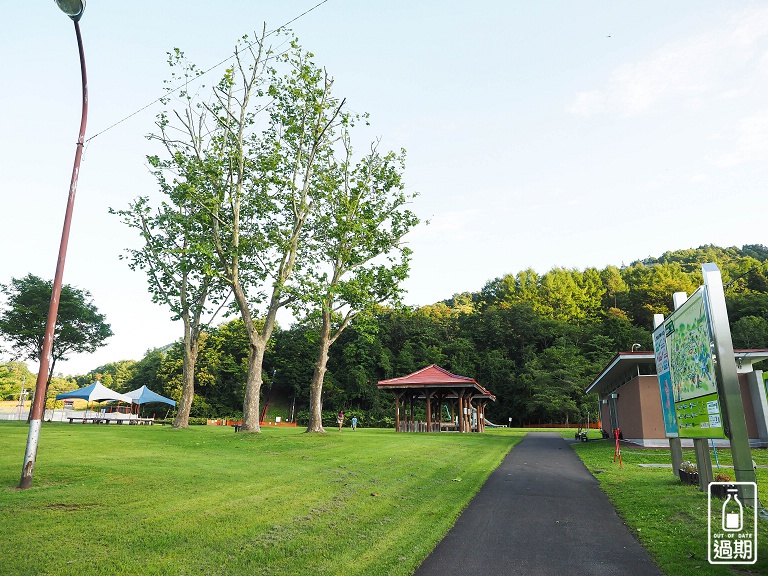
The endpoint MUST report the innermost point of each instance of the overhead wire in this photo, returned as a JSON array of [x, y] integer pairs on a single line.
[[227, 59], [740, 276]]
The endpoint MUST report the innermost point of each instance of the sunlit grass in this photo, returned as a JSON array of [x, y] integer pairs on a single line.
[[668, 517], [155, 500]]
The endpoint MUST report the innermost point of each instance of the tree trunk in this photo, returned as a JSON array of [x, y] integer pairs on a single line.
[[191, 347], [253, 389], [318, 375]]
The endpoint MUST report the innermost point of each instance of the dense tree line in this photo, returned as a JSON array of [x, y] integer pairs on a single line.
[[535, 340]]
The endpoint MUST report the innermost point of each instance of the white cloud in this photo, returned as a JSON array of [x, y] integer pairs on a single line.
[[706, 64], [587, 103], [699, 178], [456, 225], [751, 142]]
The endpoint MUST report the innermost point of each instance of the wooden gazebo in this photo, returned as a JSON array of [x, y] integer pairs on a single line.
[[461, 395]]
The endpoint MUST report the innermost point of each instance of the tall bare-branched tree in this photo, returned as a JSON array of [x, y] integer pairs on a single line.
[[176, 254], [361, 260], [254, 159]]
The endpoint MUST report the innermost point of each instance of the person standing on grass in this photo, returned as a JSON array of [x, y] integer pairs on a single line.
[[354, 423], [340, 419]]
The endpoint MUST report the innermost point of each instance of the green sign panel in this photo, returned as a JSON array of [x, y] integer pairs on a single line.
[[688, 339]]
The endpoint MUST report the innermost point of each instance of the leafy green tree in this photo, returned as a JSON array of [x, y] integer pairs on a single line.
[[651, 289], [750, 332], [615, 287], [115, 375], [15, 377], [756, 251], [498, 291], [80, 328], [569, 295], [176, 254], [145, 372], [257, 187], [561, 374], [591, 293], [357, 236], [223, 367], [177, 268], [527, 284], [293, 359]]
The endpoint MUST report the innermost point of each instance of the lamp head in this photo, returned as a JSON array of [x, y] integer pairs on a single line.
[[72, 8]]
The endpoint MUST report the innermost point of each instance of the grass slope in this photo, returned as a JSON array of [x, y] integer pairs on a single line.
[[154, 500]]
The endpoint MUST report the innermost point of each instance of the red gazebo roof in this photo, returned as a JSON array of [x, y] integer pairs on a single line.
[[433, 376]]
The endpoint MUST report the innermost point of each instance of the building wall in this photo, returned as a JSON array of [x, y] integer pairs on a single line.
[[650, 405], [630, 409], [605, 417], [639, 409], [749, 411]]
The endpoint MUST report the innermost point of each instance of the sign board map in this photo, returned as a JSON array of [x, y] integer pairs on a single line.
[[687, 343]]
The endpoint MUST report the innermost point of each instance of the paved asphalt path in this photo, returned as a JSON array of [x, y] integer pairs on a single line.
[[539, 513]]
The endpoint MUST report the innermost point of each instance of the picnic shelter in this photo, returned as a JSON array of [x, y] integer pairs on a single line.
[[463, 399]]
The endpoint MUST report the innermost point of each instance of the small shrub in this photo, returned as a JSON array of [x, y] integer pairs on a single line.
[[689, 467]]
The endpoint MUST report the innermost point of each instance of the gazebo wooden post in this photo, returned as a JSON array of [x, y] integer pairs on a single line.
[[462, 415], [410, 410], [439, 412], [467, 413], [457, 404], [398, 395], [428, 394]]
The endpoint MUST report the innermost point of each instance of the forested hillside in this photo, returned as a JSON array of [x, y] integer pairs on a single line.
[[535, 340]]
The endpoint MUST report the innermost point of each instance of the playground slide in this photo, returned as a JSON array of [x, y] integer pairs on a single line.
[[492, 425]]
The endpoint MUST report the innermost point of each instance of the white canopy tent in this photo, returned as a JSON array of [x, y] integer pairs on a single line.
[[96, 392]]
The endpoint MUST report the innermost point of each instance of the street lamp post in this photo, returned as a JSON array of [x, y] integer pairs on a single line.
[[74, 9]]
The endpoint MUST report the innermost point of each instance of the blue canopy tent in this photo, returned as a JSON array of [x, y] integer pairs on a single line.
[[144, 395], [96, 392]]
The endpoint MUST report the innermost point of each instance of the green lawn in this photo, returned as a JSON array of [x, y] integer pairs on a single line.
[[668, 517], [154, 500]]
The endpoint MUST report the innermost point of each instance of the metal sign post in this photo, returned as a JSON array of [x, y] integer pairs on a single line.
[[727, 377]]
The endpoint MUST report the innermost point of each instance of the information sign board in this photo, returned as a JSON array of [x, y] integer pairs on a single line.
[[665, 383], [685, 339]]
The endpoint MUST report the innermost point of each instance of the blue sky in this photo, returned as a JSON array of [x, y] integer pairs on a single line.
[[539, 134]]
